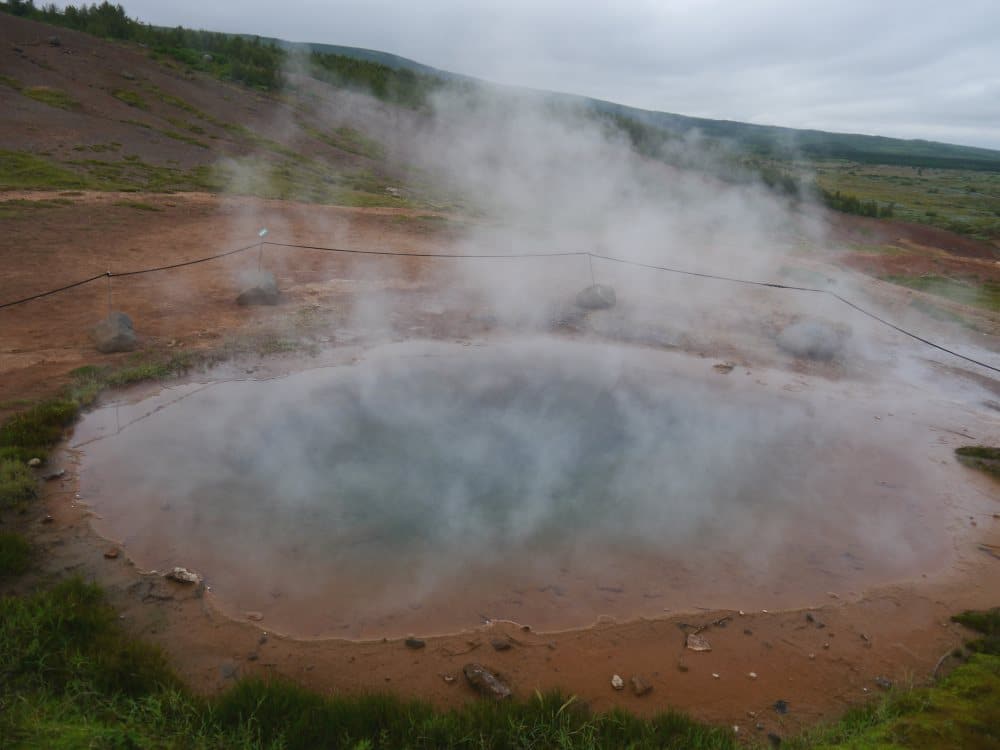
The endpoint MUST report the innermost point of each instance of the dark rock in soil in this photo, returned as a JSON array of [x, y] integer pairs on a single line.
[[414, 643], [485, 682], [115, 334], [812, 340], [261, 288], [596, 297]]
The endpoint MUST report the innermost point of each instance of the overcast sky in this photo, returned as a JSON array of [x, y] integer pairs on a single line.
[[910, 69]]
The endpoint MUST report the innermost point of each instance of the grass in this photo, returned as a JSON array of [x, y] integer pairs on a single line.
[[17, 484], [131, 98], [20, 170], [980, 457], [138, 205], [972, 292], [963, 201], [73, 678], [53, 97], [961, 711], [15, 554]]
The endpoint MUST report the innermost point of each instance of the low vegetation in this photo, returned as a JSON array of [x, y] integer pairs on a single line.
[[982, 457], [53, 97], [15, 554]]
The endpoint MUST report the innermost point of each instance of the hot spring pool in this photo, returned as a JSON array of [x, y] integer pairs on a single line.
[[429, 487]]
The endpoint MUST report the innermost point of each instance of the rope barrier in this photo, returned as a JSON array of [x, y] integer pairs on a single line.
[[557, 254]]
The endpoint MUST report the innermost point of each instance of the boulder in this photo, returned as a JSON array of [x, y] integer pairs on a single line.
[[260, 288], [115, 334], [485, 682], [812, 340], [596, 297]]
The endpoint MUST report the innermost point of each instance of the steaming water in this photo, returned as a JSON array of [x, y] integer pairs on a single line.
[[430, 488]]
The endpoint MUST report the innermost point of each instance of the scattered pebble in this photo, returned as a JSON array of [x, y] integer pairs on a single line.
[[448, 678], [48, 518], [414, 643], [35, 462], [682, 666], [696, 643], [640, 686], [183, 575], [255, 616], [112, 553], [752, 675], [781, 707], [715, 675], [617, 682], [812, 655], [883, 682], [500, 644]]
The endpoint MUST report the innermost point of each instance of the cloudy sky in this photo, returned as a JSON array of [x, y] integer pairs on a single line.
[[911, 69]]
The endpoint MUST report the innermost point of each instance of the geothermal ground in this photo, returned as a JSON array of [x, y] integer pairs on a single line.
[[806, 518]]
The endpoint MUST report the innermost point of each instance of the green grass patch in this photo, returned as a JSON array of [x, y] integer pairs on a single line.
[[72, 678], [138, 205], [11, 83], [980, 457], [972, 292], [20, 170], [15, 554], [53, 97], [131, 98], [350, 140], [17, 484], [30, 433], [987, 623]]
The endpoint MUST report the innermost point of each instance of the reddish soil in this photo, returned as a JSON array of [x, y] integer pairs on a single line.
[[867, 230], [899, 631]]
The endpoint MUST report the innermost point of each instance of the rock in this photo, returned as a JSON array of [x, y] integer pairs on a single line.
[[448, 678], [682, 665], [640, 686], [54, 41], [617, 682], [112, 553], [883, 682], [696, 643], [596, 297], [724, 368], [114, 334], [207, 57], [812, 340], [35, 462], [774, 739], [54, 474], [781, 706], [485, 682], [48, 518], [128, 76], [500, 644], [228, 670], [255, 616], [259, 288], [414, 643], [183, 575]]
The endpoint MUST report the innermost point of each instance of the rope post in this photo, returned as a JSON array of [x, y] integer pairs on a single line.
[[591, 259], [260, 248], [108, 274]]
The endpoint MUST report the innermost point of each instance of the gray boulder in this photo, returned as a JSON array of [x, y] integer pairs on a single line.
[[596, 297], [115, 334], [260, 288], [812, 340], [485, 682]]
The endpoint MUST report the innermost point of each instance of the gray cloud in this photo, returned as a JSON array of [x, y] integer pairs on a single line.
[[904, 69]]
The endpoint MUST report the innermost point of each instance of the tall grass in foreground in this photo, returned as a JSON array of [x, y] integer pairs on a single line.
[[72, 678]]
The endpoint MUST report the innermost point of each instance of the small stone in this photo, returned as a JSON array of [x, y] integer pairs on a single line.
[[752, 675], [54, 41], [640, 686], [252, 657], [255, 616], [781, 707], [617, 682], [759, 726], [111, 553], [596, 297], [485, 682], [812, 655], [35, 462], [681, 666], [54, 474], [183, 575], [500, 644], [696, 643], [715, 675], [263, 639], [826, 645], [809, 617], [228, 670], [883, 682], [448, 678], [48, 518], [747, 631], [414, 643]]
